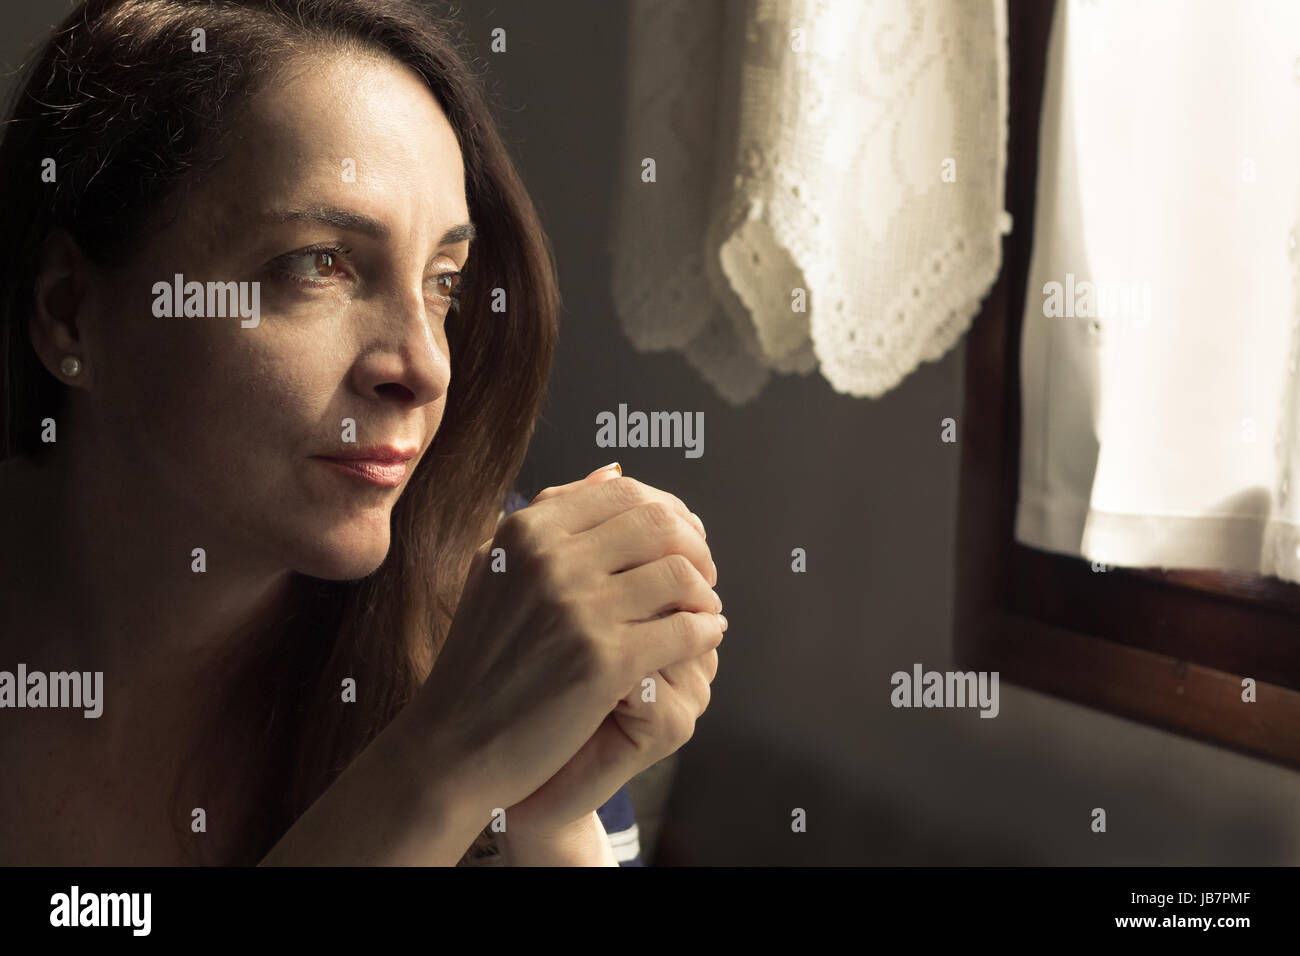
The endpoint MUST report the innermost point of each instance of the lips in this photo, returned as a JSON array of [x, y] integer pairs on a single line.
[[386, 454], [382, 465], [387, 475]]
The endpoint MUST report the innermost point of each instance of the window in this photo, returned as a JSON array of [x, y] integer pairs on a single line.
[[1168, 648]]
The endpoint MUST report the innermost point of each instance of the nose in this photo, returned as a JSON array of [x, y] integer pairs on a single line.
[[408, 361]]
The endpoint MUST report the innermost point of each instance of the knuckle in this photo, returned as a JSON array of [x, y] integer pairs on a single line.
[[682, 535], [518, 534], [689, 538], [684, 627], [627, 492], [659, 517], [678, 571]]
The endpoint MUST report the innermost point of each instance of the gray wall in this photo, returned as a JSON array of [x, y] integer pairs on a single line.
[[800, 715]]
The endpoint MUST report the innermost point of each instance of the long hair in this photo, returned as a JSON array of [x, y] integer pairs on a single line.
[[129, 113]]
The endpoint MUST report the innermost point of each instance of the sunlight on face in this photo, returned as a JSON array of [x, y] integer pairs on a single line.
[[337, 196]]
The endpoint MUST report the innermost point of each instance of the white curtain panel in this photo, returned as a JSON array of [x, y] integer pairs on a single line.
[[827, 185], [1159, 345]]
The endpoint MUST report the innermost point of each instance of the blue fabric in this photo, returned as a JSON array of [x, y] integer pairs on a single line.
[[515, 501], [616, 814]]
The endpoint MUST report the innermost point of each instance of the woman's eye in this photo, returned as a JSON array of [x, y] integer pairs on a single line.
[[319, 265], [313, 264], [448, 284]]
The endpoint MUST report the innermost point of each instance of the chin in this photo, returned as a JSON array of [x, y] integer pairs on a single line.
[[344, 562], [342, 572]]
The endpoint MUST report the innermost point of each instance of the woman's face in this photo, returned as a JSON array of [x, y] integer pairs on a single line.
[[340, 186]]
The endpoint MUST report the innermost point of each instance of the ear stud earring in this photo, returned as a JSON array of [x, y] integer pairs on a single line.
[[71, 365]]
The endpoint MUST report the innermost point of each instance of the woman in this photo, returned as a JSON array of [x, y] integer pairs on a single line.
[[238, 480]]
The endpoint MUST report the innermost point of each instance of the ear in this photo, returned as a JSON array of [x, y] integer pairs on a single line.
[[58, 322]]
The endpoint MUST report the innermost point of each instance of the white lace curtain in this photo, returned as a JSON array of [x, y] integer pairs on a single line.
[[810, 184]]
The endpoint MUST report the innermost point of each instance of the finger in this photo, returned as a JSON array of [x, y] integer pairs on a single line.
[[656, 701], [643, 693], [612, 470], [688, 681], [642, 536], [664, 586], [593, 503], [665, 640], [704, 667]]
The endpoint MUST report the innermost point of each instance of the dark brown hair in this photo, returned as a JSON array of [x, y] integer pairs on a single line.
[[131, 114]]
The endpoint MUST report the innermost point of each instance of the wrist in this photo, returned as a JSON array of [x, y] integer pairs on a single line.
[[583, 842], [438, 785], [382, 811]]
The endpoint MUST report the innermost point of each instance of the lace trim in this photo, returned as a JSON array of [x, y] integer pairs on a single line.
[[787, 158]]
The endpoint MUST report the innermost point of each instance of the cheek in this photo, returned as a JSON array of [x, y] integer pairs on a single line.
[[211, 402]]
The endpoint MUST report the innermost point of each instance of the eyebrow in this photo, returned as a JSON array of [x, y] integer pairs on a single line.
[[355, 222]]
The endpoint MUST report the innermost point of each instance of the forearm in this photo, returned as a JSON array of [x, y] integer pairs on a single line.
[[383, 810], [585, 843]]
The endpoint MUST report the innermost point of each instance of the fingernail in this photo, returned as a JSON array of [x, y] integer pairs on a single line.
[[714, 565], [613, 466], [724, 621], [718, 597]]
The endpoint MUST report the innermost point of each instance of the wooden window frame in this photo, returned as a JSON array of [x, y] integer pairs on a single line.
[[1166, 648]]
